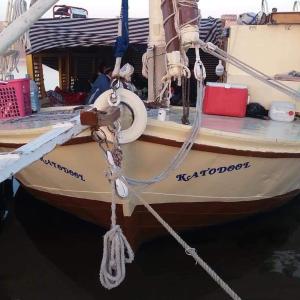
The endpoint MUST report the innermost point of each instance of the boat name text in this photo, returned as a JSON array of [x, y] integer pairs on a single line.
[[213, 171], [62, 168]]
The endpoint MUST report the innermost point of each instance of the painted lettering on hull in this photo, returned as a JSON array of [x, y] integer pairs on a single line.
[[213, 171], [61, 168]]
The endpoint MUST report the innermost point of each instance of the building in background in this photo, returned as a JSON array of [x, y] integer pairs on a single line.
[[229, 20]]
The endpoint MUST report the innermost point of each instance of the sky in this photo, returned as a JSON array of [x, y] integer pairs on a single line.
[[139, 8]]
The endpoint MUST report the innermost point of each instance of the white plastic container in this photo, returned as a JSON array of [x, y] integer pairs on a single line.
[[34, 95], [282, 111], [163, 114]]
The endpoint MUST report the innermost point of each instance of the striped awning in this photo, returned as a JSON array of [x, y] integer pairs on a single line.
[[64, 33], [211, 30]]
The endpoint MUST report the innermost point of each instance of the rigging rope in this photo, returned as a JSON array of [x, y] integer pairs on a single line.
[[221, 54], [9, 61], [116, 250], [184, 150]]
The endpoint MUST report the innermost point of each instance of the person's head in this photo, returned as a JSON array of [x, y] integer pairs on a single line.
[[100, 68]]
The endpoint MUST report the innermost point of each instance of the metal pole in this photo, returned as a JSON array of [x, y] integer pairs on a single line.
[[11, 33]]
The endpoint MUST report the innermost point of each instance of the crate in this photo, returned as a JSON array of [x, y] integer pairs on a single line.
[[225, 99], [15, 98]]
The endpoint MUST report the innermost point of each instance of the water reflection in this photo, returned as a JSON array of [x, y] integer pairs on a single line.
[[285, 262], [246, 254]]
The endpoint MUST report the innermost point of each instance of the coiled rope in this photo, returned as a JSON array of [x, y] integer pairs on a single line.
[[116, 249]]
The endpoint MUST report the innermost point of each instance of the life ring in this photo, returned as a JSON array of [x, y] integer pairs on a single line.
[[137, 108]]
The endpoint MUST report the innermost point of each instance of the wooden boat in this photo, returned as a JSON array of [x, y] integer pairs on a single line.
[[237, 167]]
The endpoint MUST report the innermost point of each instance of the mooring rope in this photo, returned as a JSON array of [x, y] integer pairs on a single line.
[[116, 250], [188, 249]]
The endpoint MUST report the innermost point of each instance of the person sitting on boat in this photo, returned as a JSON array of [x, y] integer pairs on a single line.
[[100, 85], [100, 70]]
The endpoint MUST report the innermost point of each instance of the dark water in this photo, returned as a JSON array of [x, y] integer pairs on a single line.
[[48, 254]]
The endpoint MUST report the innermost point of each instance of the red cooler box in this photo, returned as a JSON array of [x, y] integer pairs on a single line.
[[225, 99]]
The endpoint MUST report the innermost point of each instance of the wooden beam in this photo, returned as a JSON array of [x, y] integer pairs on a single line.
[[29, 65]]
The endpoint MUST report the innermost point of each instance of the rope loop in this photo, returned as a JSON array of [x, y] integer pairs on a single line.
[[116, 253]]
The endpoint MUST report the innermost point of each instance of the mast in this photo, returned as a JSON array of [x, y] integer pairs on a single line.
[[156, 49]]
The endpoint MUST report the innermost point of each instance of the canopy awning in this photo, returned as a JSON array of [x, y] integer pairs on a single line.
[[64, 33]]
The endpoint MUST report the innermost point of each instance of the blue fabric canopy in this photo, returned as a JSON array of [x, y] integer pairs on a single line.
[[122, 42]]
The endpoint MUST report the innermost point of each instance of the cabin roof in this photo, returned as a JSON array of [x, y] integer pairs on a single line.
[[68, 33]]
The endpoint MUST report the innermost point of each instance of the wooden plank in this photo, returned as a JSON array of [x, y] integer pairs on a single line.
[[285, 18], [29, 65]]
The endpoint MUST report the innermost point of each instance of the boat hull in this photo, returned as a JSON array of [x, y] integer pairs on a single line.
[[142, 226], [211, 187]]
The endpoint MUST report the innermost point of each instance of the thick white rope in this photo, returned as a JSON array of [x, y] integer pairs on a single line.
[[109, 280], [185, 148], [116, 249], [112, 271], [188, 249], [115, 245], [172, 61]]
